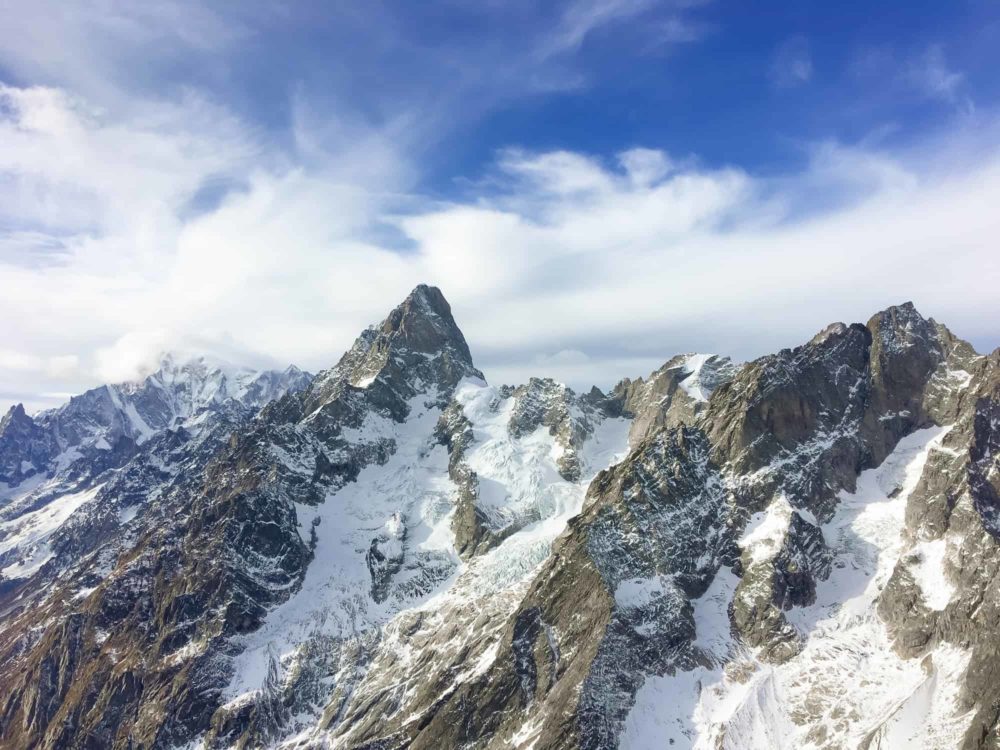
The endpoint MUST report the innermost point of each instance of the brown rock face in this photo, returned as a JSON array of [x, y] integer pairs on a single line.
[[673, 395]]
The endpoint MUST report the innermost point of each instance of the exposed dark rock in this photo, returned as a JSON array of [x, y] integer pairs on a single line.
[[545, 403], [25, 447], [673, 395]]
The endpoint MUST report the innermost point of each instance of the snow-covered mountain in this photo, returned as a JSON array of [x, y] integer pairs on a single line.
[[182, 393], [56, 461], [799, 551]]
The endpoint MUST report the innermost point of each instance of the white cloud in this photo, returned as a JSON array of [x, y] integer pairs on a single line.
[[925, 73], [702, 259], [584, 16], [104, 258], [557, 172], [657, 26], [561, 263], [580, 372], [644, 166], [54, 366]]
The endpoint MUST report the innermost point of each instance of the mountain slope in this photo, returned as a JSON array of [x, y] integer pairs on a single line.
[[115, 443], [795, 552]]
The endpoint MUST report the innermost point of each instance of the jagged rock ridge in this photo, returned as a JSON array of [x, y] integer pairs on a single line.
[[800, 551]]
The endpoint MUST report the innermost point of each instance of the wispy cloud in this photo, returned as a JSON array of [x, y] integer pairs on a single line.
[[931, 75], [679, 262], [584, 17], [791, 64], [623, 260], [679, 30], [923, 73], [618, 262], [109, 51], [671, 24]]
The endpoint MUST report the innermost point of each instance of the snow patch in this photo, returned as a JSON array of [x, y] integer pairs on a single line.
[[691, 383], [638, 592], [127, 514], [409, 501], [28, 534], [335, 596], [765, 534], [711, 615], [927, 570]]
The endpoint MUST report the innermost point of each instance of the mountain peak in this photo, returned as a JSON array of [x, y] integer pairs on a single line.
[[14, 412], [431, 297], [16, 418], [897, 314], [417, 348], [423, 322], [174, 363], [901, 327], [563, 540]]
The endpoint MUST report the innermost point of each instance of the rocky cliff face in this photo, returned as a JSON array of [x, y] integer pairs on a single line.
[[801, 551], [673, 395], [116, 445]]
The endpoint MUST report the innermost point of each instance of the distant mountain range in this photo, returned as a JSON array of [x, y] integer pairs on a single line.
[[798, 551]]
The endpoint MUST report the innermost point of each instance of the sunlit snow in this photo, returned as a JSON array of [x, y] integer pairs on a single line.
[[518, 479], [29, 532], [847, 678]]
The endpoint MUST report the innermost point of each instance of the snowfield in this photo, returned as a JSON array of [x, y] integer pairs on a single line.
[[847, 680], [28, 533], [409, 501]]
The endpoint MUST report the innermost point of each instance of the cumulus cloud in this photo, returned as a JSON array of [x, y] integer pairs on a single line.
[[132, 222], [702, 260], [565, 264], [644, 166], [101, 256]]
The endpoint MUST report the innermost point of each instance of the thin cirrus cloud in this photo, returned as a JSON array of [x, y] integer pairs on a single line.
[[932, 75], [174, 222], [792, 63], [924, 72]]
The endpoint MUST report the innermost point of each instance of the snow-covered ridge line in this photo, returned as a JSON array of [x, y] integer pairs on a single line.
[[59, 455], [179, 394], [26, 535]]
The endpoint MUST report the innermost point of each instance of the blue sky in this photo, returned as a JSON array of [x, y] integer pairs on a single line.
[[595, 184]]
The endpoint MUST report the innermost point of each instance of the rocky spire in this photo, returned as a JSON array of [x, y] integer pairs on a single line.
[[905, 351], [423, 323], [15, 414], [25, 448], [418, 348]]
